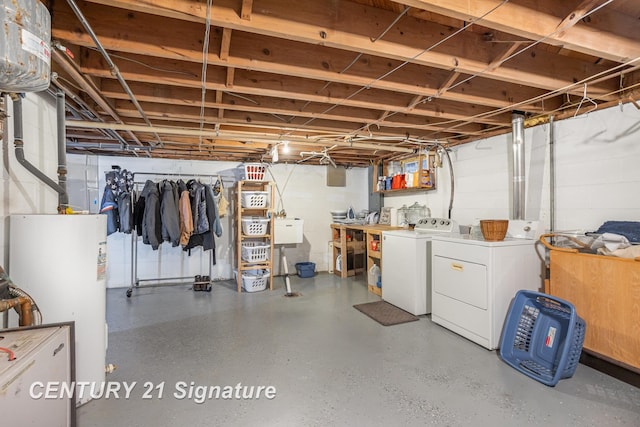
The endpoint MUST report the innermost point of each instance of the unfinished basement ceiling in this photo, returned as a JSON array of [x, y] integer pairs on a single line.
[[358, 80]]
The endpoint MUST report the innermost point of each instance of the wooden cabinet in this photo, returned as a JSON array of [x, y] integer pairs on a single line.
[[348, 250], [254, 231], [606, 293], [416, 173]]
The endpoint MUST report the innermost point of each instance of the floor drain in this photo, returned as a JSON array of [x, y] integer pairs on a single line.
[[292, 294]]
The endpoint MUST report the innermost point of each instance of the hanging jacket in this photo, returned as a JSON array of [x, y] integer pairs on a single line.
[[109, 207], [138, 213], [169, 212], [198, 207], [125, 212], [208, 241], [185, 215], [151, 221]]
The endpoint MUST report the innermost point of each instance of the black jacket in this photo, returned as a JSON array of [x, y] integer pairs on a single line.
[[151, 221]]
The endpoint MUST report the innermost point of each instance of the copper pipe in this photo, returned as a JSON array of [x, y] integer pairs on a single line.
[[26, 318]]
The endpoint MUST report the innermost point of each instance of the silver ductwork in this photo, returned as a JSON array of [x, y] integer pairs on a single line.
[[518, 208]]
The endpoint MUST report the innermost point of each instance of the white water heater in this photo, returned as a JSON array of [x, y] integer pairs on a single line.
[[61, 260], [25, 46]]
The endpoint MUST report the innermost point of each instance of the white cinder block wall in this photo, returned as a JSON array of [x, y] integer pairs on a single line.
[[304, 193], [597, 179], [597, 176], [23, 193]]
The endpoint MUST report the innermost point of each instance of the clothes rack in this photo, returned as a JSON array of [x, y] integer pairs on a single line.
[[164, 281]]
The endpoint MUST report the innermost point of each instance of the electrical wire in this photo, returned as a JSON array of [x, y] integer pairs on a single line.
[[205, 56], [388, 73], [11, 354], [135, 61], [493, 66]]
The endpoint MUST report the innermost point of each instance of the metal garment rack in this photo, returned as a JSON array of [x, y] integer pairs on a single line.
[[162, 281]]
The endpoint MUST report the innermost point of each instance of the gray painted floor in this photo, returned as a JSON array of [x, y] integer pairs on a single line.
[[329, 363]]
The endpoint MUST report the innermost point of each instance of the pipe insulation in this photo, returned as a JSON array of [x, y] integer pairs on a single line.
[[19, 148], [517, 122]]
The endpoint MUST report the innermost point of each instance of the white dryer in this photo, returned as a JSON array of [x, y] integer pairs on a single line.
[[474, 282]]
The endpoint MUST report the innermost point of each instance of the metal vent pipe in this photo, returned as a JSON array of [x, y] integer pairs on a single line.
[[517, 122]]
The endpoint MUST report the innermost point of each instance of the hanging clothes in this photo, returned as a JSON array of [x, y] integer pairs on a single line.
[[207, 239], [213, 216], [185, 215], [109, 203], [125, 207], [198, 207], [151, 221], [109, 207], [138, 213], [169, 212], [125, 212]]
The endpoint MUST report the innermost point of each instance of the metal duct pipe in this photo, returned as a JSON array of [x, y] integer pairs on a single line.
[[552, 177], [19, 148], [517, 122], [63, 198]]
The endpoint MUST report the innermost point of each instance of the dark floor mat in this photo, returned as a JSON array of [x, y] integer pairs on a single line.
[[384, 313]]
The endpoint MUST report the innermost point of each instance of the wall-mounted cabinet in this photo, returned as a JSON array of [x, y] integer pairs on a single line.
[[415, 173]]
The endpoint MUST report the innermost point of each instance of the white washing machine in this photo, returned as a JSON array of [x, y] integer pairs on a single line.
[[474, 282], [406, 264]]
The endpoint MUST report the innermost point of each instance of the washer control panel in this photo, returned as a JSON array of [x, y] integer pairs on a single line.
[[440, 225]]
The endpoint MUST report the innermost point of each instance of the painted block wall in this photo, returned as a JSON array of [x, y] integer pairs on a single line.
[[597, 176], [301, 191], [22, 193]]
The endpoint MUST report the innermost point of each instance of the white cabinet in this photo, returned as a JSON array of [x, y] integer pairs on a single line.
[[474, 282], [43, 358]]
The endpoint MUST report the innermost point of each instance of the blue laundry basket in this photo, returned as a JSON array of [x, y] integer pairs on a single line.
[[306, 269], [542, 337]]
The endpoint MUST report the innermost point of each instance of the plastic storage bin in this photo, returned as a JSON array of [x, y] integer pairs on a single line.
[[254, 171], [542, 337], [255, 226], [306, 269], [255, 251], [255, 199], [255, 280]]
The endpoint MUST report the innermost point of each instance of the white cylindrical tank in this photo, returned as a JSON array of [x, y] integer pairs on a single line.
[[25, 52], [60, 260]]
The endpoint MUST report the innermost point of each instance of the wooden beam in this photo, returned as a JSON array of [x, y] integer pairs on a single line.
[[225, 43], [511, 48], [445, 87], [284, 19], [617, 42], [230, 75], [576, 15], [256, 84], [245, 12]]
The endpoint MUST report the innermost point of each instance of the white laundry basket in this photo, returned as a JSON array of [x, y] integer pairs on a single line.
[[255, 251], [255, 226]]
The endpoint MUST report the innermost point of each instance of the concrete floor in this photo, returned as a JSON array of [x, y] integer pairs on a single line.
[[329, 363]]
